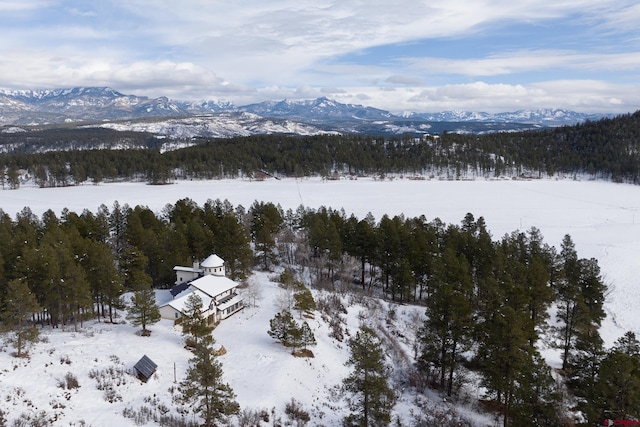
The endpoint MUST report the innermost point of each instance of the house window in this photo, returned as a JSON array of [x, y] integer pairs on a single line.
[[176, 315]]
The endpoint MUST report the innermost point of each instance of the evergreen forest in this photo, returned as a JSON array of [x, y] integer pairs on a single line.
[[608, 149]]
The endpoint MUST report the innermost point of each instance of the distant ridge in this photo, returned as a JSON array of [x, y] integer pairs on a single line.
[[83, 104], [548, 117], [320, 108]]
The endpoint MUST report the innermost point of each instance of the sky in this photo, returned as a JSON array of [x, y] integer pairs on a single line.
[[401, 55]]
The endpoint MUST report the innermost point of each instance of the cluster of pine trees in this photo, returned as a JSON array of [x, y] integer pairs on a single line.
[[78, 266], [607, 149], [487, 303]]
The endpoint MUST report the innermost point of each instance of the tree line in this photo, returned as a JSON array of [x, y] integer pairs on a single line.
[[608, 149]]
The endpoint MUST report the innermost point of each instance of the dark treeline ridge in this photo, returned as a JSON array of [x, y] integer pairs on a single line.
[[70, 137], [608, 149], [487, 301]]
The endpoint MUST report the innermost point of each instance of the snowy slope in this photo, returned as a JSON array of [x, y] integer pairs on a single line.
[[222, 125], [263, 373]]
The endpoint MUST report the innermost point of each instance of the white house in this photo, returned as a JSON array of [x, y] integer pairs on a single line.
[[212, 265], [207, 279]]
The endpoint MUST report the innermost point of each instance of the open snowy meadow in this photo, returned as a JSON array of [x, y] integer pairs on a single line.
[[603, 220]]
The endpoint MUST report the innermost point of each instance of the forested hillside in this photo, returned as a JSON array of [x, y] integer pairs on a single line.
[[608, 149]]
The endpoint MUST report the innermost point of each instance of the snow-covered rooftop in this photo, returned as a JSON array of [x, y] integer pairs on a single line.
[[189, 269], [212, 261], [179, 303], [213, 285], [230, 302]]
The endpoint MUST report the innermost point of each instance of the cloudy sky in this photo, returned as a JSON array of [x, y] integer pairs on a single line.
[[400, 55]]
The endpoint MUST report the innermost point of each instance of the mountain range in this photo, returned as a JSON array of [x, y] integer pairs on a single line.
[[100, 104]]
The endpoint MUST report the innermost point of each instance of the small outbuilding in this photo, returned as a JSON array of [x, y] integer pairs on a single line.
[[145, 368]]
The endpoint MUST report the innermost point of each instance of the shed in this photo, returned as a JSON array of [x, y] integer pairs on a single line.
[[145, 368]]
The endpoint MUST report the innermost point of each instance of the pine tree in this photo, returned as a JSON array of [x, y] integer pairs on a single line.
[[203, 387], [371, 399], [106, 281], [587, 352], [568, 297], [582, 375], [133, 264], [13, 177], [194, 324], [618, 386], [284, 329], [143, 309], [117, 225], [360, 242], [266, 221], [307, 337], [388, 250], [535, 401], [19, 305], [446, 331], [232, 243], [304, 300], [68, 293], [628, 344], [505, 353]]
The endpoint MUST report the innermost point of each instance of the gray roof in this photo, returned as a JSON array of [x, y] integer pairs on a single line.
[[145, 367]]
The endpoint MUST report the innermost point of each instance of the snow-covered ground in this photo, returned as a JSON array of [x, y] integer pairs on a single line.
[[602, 218]]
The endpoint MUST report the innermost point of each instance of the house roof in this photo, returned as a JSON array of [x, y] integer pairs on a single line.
[[213, 285], [145, 367], [230, 302], [189, 269], [180, 303], [212, 261], [179, 288]]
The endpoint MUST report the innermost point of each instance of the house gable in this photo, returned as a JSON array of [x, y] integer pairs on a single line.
[[176, 307]]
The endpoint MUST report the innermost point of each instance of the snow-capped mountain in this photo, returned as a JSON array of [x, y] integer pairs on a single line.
[[207, 106], [545, 117], [79, 104], [317, 109], [53, 106]]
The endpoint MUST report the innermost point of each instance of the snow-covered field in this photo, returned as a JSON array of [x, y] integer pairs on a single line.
[[602, 218]]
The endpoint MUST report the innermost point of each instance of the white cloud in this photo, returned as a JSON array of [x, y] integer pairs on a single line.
[[623, 17], [525, 61], [256, 50], [83, 13], [404, 80], [579, 95], [10, 6]]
